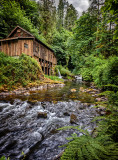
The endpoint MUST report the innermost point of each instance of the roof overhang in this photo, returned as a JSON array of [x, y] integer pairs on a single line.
[[15, 38], [21, 29]]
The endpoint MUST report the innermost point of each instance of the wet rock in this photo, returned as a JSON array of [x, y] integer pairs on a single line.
[[26, 90], [42, 115], [82, 106], [98, 99], [108, 112], [73, 118], [102, 113], [57, 157], [81, 89], [50, 85], [26, 94], [38, 137], [32, 102], [73, 90], [66, 114], [45, 87]]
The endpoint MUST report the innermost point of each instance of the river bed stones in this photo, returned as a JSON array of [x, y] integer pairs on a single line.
[[42, 115], [26, 91], [73, 90], [73, 118], [37, 136]]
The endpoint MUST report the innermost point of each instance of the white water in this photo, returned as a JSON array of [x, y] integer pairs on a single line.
[[21, 129], [59, 74]]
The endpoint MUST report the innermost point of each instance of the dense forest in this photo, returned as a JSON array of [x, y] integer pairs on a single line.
[[87, 45]]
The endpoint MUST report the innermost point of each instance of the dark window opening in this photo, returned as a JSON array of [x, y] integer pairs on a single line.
[[42, 68], [46, 70], [25, 45]]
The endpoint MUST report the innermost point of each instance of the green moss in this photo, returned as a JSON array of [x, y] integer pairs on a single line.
[[20, 70], [55, 78]]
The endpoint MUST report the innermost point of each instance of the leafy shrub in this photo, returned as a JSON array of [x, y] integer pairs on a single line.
[[101, 71], [105, 72], [86, 147], [64, 71], [86, 74], [4, 158], [19, 70]]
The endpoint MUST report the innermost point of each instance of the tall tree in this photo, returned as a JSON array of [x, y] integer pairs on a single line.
[[47, 12], [60, 13], [70, 17]]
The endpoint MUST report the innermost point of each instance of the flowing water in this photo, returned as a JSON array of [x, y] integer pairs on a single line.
[[23, 131]]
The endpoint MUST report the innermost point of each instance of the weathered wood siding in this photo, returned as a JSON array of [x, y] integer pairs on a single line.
[[10, 47], [25, 46], [36, 49], [17, 47], [46, 54], [19, 33]]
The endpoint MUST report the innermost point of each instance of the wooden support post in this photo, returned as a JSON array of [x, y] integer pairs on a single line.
[[47, 68], [44, 66]]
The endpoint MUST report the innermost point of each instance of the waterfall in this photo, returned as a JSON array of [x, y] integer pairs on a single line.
[[78, 77], [59, 74]]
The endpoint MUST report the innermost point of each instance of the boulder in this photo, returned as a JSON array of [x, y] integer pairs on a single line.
[[42, 115], [73, 118], [81, 89], [73, 90], [26, 94], [98, 99], [66, 114]]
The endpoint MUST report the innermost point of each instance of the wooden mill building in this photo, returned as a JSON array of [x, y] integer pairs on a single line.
[[21, 41]]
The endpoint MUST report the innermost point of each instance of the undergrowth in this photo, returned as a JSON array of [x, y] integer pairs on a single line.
[[20, 70], [55, 78], [64, 72]]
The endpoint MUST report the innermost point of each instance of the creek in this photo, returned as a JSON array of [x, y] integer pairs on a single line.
[[24, 133]]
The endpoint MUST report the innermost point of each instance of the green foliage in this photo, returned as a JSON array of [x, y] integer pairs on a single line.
[[24, 14], [105, 71], [47, 22], [4, 158], [60, 46], [19, 70], [64, 71], [71, 17], [55, 78], [86, 147], [109, 126], [110, 7], [86, 74]]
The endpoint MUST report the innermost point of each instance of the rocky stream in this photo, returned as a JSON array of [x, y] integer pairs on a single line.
[[28, 124]]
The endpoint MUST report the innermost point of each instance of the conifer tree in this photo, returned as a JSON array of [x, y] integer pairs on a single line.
[[70, 17], [60, 13]]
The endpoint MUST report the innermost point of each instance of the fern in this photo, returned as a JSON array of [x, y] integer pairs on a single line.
[[4, 158], [88, 148]]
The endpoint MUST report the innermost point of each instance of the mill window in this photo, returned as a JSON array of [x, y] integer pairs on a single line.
[[25, 45]]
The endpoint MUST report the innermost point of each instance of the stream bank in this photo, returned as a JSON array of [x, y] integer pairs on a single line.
[[26, 91]]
